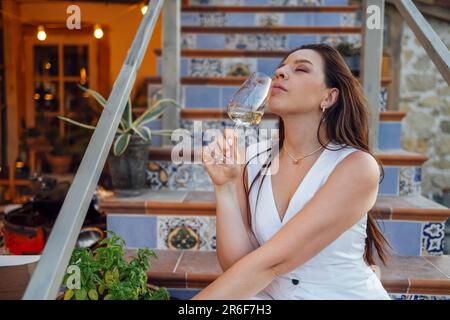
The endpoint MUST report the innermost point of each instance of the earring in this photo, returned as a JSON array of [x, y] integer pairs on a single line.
[[323, 113]]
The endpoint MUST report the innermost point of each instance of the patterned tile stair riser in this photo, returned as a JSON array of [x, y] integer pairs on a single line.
[[262, 41], [217, 97], [268, 19]]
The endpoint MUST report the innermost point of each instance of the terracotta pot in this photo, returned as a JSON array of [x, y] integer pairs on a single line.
[[59, 164]]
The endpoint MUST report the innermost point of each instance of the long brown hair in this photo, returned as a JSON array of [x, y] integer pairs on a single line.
[[347, 124]]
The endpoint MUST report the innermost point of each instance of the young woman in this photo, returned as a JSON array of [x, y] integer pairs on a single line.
[[301, 231]]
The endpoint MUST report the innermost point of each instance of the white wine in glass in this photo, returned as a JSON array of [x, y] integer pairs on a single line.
[[246, 107]]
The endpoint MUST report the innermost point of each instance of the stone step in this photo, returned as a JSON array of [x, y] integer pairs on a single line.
[[270, 9], [402, 275], [203, 203]]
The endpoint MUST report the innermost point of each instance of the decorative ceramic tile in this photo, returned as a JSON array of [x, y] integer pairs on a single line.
[[403, 236], [210, 41], [256, 41], [186, 233], [269, 19], [295, 2], [202, 67], [213, 19], [417, 297], [389, 185], [389, 135], [138, 230], [410, 179], [334, 40], [238, 67], [188, 41], [383, 99], [347, 19], [170, 176], [433, 238]]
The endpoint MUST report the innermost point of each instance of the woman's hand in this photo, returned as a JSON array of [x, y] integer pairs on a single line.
[[222, 159]]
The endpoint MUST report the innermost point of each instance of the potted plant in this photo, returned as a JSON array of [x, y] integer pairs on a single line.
[[60, 157], [129, 157], [351, 55], [105, 274]]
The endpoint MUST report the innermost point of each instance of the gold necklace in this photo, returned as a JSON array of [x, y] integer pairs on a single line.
[[294, 159]]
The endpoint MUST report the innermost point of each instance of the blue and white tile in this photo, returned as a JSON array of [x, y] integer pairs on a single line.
[[182, 294], [202, 96], [216, 19], [200, 232], [210, 41], [389, 135], [204, 67], [398, 296], [297, 40], [403, 236], [188, 41], [335, 2], [269, 19], [433, 238], [295, 2], [268, 65], [410, 180], [239, 67], [390, 184], [383, 98], [299, 19], [256, 41], [327, 19], [241, 19], [334, 40], [347, 19], [138, 230], [190, 19]]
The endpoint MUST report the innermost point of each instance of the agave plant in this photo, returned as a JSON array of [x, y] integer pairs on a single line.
[[128, 127]]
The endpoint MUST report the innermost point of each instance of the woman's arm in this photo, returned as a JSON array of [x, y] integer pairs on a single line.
[[233, 236], [350, 192]]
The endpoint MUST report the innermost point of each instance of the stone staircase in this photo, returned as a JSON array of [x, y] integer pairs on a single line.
[[221, 46]]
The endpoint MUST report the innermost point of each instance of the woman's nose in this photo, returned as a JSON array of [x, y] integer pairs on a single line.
[[281, 74]]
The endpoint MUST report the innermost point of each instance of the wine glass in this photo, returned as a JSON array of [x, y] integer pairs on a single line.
[[246, 107]]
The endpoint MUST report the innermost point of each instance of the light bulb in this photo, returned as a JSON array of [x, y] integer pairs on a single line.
[[144, 9], [41, 35], [98, 32]]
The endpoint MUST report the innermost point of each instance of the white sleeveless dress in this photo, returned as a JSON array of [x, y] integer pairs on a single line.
[[339, 270]]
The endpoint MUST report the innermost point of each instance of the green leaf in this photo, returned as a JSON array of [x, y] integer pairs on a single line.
[[143, 132], [127, 115], [80, 294], [166, 133], [155, 111], [121, 144], [100, 99], [76, 123]]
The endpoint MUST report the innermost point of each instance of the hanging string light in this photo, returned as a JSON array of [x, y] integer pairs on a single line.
[[98, 32], [41, 34]]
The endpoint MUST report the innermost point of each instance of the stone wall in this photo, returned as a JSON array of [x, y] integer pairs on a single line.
[[425, 96]]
